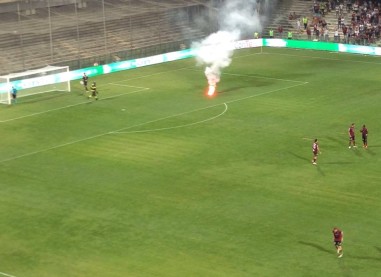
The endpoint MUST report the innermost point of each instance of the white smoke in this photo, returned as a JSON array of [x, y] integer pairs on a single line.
[[215, 52], [236, 17]]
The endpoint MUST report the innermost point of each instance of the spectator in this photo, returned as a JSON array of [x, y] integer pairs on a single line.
[[271, 33], [345, 30], [298, 26], [309, 33], [280, 31], [336, 36], [305, 22], [326, 35]]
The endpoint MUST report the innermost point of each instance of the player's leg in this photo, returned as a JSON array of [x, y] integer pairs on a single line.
[[340, 251]]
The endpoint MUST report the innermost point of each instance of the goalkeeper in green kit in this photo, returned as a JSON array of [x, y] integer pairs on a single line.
[[93, 91]]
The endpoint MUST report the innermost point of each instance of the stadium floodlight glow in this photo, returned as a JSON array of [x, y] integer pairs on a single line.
[[36, 81]]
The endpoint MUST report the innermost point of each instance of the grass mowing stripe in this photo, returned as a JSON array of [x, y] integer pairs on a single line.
[[140, 124]]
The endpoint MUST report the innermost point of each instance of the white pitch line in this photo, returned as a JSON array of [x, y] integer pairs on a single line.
[[140, 124], [174, 127], [70, 106], [114, 83], [267, 92], [129, 86], [5, 274]]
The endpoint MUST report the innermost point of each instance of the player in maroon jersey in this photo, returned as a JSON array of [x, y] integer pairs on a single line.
[[338, 236], [351, 134], [364, 135], [315, 151]]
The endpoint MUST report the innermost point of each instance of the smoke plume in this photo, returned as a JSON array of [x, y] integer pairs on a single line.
[[236, 19]]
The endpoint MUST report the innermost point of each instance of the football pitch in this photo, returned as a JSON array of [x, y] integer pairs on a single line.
[[157, 179]]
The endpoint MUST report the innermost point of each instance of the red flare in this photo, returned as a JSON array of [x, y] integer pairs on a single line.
[[212, 90]]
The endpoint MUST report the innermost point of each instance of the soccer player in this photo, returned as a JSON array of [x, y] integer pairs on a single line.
[[338, 241], [85, 79], [93, 91], [351, 134], [315, 151], [14, 95], [364, 135]]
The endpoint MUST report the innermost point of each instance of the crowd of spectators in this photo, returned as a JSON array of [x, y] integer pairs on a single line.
[[357, 21]]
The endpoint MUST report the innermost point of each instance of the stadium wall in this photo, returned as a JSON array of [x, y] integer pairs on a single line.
[[189, 53]]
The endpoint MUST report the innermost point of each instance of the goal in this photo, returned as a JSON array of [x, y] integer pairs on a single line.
[[36, 81]]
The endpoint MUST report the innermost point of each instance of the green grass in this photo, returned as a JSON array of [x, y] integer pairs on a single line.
[[156, 179]]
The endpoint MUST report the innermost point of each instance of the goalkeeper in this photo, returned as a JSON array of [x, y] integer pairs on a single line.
[[93, 91], [14, 95]]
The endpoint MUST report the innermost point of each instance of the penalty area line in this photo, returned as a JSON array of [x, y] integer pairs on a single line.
[[73, 105], [257, 77], [129, 86], [175, 127], [5, 274]]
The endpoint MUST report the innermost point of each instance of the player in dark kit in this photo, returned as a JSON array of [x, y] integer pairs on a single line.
[[351, 134], [85, 79], [364, 136], [14, 95], [93, 91], [338, 241], [315, 151]]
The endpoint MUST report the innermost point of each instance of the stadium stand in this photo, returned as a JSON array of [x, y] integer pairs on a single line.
[[31, 39]]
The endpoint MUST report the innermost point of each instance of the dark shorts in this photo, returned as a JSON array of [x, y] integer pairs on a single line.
[[364, 138], [315, 153], [352, 138], [94, 92], [337, 243], [14, 96]]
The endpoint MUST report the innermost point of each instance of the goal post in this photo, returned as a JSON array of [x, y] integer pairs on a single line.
[[36, 81]]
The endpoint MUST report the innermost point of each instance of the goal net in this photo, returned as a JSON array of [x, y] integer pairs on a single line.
[[31, 82]]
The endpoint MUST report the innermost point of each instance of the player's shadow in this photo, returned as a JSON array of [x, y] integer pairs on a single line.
[[357, 151], [306, 159], [321, 172], [370, 152], [299, 157], [316, 246]]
